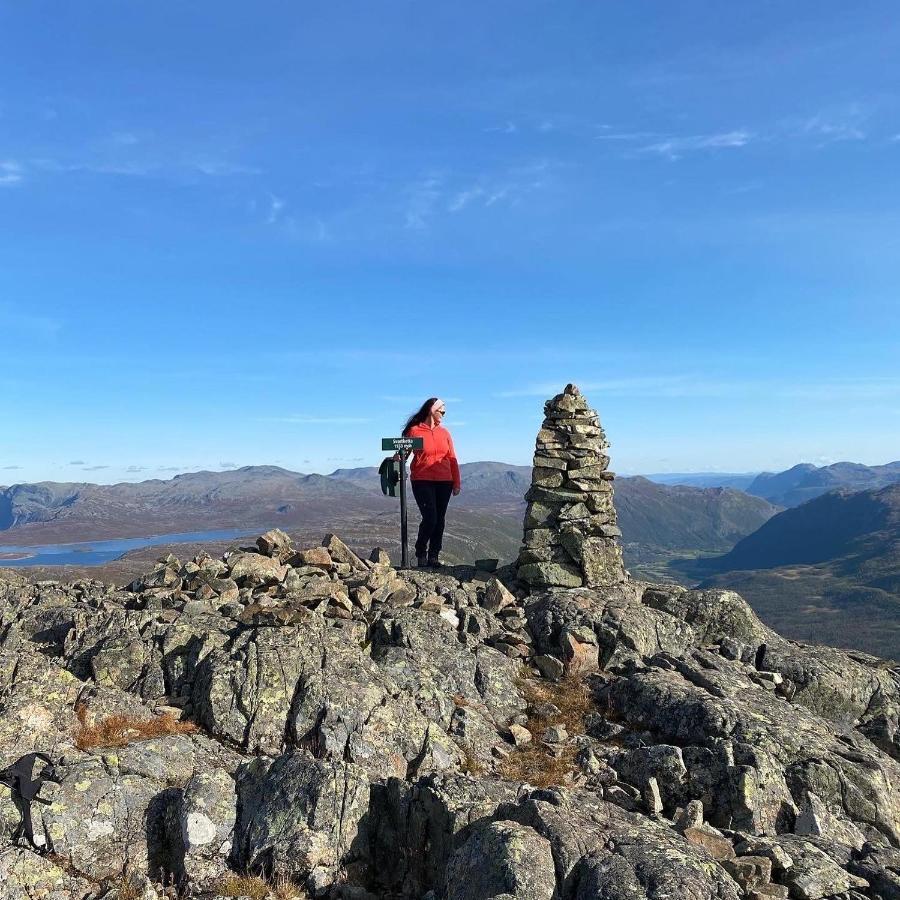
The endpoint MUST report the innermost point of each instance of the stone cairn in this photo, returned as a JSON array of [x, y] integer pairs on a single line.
[[570, 522]]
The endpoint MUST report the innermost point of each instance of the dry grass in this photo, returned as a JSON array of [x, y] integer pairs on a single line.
[[471, 765], [535, 763], [119, 731], [281, 888], [243, 886], [569, 696], [127, 890]]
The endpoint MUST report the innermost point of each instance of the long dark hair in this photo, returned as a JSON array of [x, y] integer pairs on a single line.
[[420, 415]]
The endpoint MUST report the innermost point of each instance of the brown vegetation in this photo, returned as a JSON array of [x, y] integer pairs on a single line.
[[127, 890], [535, 762], [570, 696], [471, 765], [119, 731], [257, 888], [537, 766]]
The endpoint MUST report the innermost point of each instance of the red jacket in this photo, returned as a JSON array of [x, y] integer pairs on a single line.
[[436, 461]]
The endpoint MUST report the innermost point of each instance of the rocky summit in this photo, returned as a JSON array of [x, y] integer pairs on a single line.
[[570, 523], [288, 722]]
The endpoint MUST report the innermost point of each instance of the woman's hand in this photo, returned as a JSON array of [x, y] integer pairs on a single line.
[[456, 491]]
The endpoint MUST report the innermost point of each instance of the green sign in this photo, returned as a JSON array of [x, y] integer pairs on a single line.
[[402, 443]]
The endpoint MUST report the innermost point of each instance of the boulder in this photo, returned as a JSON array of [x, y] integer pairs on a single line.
[[341, 553], [101, 818], [497, 596], [314, 556], [815, 875], [710, 839], [298, 814], [206, 814], [274, 543], [28, 876], [503, 858], [251, 569]]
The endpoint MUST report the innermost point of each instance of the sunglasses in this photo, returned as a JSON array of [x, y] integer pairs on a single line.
[[443, 412]]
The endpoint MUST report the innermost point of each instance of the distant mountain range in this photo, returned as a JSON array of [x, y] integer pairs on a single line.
[[484, 483], [827, 571], [737, 480], [793, 486], [806, 482], [658, 521]]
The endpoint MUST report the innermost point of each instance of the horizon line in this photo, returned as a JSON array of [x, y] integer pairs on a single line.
[[175, 472]]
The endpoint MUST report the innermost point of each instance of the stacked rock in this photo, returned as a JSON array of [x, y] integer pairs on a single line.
[[570, 522]]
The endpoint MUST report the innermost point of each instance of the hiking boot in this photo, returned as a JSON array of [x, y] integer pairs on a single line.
[[422, 562], [434, 563]]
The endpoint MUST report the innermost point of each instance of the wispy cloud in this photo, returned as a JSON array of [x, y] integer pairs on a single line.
[[133, 469], [676, 147], [77, 462], [508, 127], [485, 196], [317, 420], [829, 129], [628, 136], [228, 465], [276, 206], [409, 398], [840, 389], [464, 198], [11, 173], [696, 385], [8, 468], [93, 468], [125, 155], [453, 194], [220, 168], [651, 385], [423, 199]]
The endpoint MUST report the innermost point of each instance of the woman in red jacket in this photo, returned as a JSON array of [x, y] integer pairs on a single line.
[[435, 476]]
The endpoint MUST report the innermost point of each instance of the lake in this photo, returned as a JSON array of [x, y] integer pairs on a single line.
[[95, 553]]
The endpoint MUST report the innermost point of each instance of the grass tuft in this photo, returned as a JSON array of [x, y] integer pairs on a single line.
[[243, 886], [570, 696], [535, 763], [119, 731], [471, 765], [127, 890], [256, 888]]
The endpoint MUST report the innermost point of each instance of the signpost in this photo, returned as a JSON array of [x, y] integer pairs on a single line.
[[402, 446]]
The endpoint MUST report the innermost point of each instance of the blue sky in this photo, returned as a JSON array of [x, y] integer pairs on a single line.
[[237, 234]]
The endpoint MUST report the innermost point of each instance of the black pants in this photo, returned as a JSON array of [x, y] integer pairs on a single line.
[[432, 498]]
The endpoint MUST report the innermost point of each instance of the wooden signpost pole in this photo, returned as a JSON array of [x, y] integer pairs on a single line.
[[403, 446], [404, 532]]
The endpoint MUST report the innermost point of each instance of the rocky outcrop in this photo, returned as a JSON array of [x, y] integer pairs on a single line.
[[570, 523], [363, 732]]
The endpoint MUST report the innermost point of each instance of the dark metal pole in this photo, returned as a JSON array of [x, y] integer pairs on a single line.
[[404, 536]]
